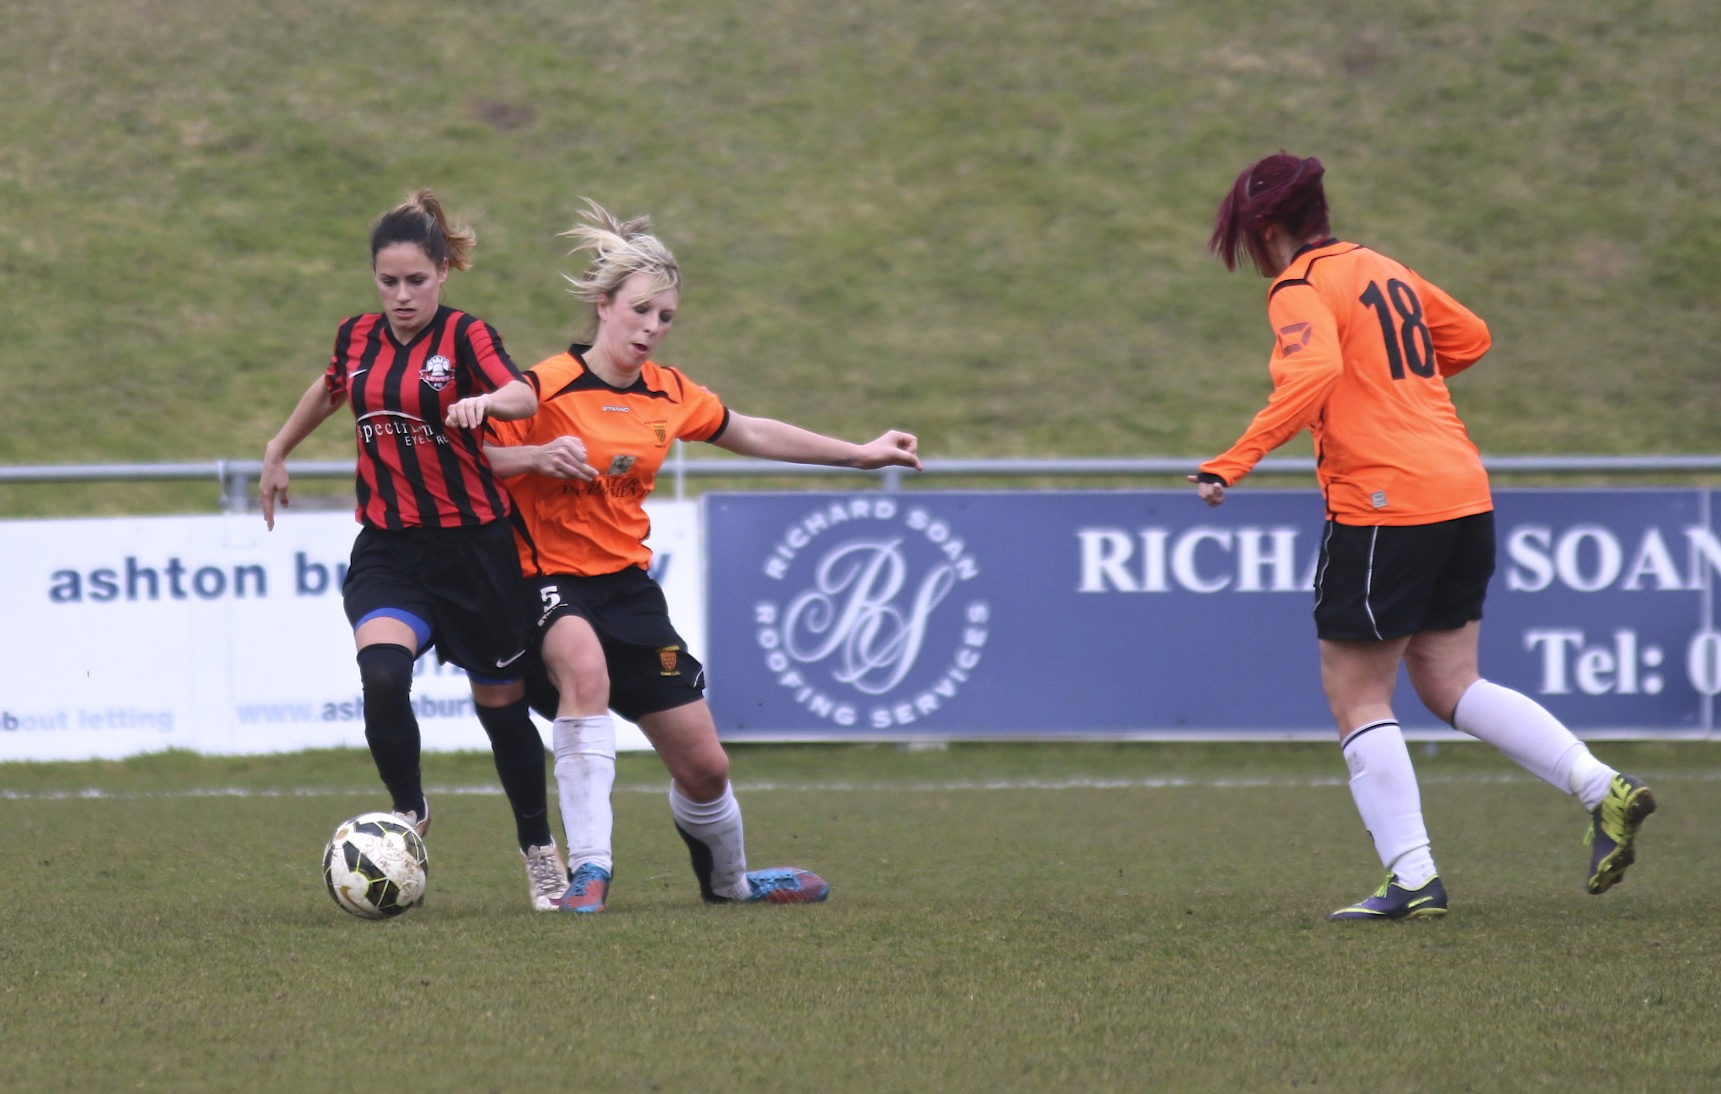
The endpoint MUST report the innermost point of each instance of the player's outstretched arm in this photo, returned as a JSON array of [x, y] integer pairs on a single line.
[[510, 402], [769, 439], [314, 408], [560, 458]]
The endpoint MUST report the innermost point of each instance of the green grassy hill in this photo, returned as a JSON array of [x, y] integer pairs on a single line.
[[984, 222]]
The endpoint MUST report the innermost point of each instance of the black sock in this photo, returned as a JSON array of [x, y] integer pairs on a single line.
[[702, 865], [391, 729], [520, 763]]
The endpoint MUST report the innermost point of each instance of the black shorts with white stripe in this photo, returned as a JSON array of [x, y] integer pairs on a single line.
[[1375, 583]]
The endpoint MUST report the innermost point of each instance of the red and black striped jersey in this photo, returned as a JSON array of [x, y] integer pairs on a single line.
[[412, 470]]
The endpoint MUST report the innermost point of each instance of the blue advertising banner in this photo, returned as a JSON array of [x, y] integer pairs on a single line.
[[1113, 614]]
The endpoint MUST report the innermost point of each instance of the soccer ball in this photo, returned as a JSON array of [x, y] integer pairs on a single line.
[[375, 866]]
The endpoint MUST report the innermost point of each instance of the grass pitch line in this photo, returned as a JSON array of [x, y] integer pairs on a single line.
[[919, 786]]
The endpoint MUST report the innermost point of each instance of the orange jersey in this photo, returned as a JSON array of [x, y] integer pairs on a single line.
[[1363, 348], [564, 526]]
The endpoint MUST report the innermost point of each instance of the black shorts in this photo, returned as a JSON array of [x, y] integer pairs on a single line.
[[459, 589], [649, 667], [1375, 583]]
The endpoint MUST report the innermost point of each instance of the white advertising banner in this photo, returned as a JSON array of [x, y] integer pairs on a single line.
[[210, 633]]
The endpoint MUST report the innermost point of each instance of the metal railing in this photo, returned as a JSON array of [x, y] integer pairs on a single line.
[[235, 477]]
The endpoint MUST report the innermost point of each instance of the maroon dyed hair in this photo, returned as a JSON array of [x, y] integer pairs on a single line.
[[1282, 189]]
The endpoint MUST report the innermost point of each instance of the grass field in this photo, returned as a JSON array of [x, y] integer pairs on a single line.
[[985, 223], [1082, 917]]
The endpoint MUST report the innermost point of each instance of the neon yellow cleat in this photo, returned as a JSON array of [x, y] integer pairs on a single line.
[[1613, 829], [1394, 901]]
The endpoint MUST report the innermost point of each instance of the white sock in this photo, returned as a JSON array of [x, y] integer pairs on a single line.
[[1532, 738], [585, 778], [716, 824], [1589, 778], [1383, 784]]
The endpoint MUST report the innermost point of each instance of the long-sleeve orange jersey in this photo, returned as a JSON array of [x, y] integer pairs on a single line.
[[1363, 346], [565, 526]]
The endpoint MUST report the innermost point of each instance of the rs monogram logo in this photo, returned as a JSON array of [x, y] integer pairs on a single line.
[[851, 613]]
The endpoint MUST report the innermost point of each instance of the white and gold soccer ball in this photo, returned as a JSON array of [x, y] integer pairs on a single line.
[[375, 866]]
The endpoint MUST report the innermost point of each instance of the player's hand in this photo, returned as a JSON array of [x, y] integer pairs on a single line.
[[1213, 493], [564, 458], [893, 449], [468, 413], [272, 483]]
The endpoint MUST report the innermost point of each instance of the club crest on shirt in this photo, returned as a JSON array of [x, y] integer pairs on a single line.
[[1294, 337], [437, 372], [660, 430], [621, 465]]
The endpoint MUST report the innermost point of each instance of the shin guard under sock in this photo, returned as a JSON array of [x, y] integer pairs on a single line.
[[519, 755], [391, 729]]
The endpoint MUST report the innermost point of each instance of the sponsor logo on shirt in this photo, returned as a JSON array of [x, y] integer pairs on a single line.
[[1294, 337], [411, 431]]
